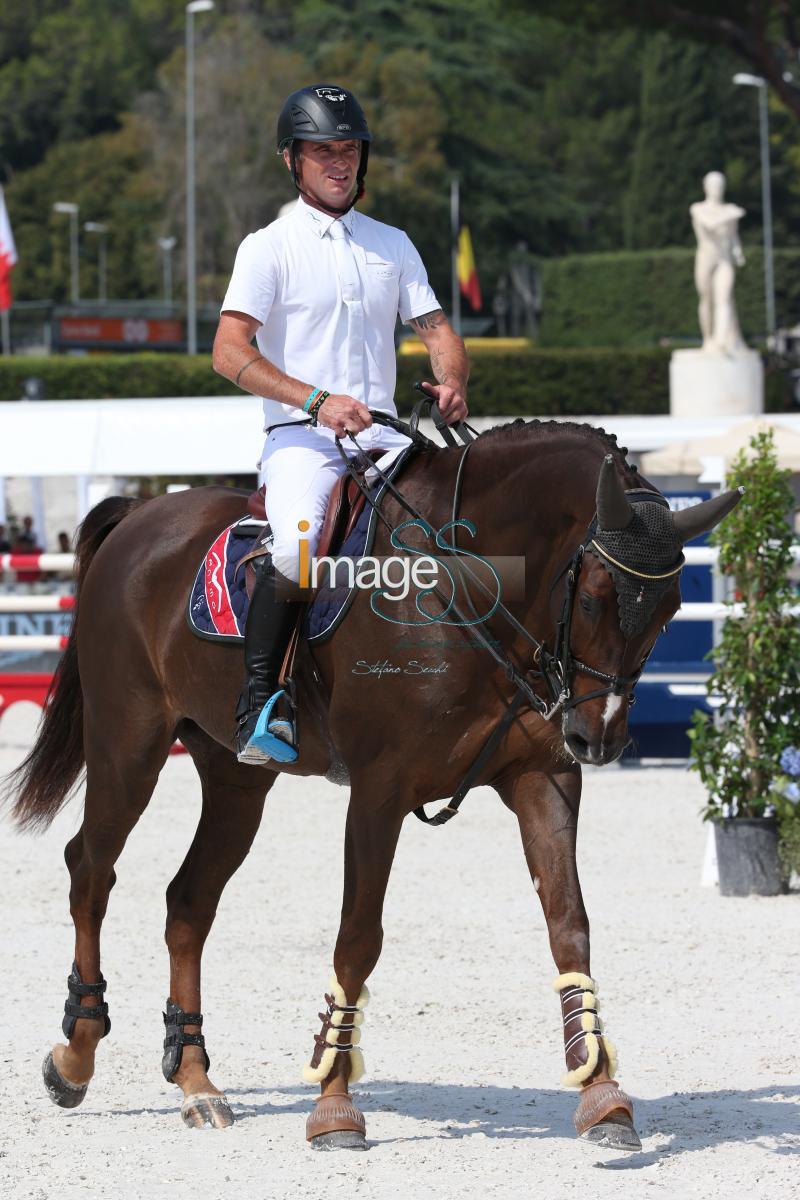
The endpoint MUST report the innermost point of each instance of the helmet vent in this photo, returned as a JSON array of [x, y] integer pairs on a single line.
[[303, 120]]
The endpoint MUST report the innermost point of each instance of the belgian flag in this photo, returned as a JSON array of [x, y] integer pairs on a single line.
[[467, 271]]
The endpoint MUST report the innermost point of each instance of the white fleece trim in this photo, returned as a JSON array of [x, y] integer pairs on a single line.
[[344, 1018], [337, 991], [340, 997], [611, 1052], [575, 1078], [356, 1066], [332, 1036], [574, 979], [317, 1074]]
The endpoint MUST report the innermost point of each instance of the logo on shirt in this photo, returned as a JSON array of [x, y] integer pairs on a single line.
[[332, 95]]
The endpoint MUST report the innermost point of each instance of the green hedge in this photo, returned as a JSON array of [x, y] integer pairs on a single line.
[[637, 298], [533, 383], [114, 376], [556, 383]]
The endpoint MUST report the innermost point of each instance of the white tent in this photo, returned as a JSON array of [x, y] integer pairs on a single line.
[[209, 435], [216, 435], [699, 455]]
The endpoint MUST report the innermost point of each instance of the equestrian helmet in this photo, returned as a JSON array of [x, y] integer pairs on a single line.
[[323, 113]]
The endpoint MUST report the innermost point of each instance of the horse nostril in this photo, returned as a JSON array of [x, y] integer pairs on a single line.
[[578, 745]]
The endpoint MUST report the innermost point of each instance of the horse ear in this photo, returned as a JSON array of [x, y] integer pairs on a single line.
[[692, 522], [614, 510]]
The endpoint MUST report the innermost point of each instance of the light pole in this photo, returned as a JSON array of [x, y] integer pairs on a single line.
[[766, 192], [167, 245], [455, 225], [195, 6], [102, 262], [62, 206]]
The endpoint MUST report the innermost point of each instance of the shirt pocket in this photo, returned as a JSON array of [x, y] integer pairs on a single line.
[[379, 268]]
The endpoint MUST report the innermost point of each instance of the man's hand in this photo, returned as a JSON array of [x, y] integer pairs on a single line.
[[344, 414], [451, 401]]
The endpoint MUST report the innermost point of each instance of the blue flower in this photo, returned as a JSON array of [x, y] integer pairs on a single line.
[[792, 792], [790, 761]]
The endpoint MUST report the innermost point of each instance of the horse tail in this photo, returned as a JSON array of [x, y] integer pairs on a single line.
[[45, 779]]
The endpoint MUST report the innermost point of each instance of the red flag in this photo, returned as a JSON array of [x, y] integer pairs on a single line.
[[8, 255], [467, 271]]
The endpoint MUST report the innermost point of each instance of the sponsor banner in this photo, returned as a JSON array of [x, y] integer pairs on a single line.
[[119, 331]]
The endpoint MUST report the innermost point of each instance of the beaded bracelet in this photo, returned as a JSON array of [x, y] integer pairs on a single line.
[[311, 398], [313, 412]]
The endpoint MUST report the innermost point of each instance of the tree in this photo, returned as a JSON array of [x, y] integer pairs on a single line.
[[691, 121], [764, 33], [105, 176], [241, 181], [68, 71]]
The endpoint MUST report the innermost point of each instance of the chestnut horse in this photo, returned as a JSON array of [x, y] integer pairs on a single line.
[[133, 678]]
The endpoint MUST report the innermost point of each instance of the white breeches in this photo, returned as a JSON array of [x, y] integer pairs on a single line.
[[299, 467]]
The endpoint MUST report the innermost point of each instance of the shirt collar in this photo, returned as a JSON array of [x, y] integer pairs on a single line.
[[320, 222]]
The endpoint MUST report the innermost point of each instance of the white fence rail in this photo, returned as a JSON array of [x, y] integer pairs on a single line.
[[706, 556], [22, 641]]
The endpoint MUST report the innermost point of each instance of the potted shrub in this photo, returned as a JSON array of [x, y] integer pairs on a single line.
[[748, 755]]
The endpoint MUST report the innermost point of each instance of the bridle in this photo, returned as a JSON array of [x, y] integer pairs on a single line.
[[563, 649], [555, 670]]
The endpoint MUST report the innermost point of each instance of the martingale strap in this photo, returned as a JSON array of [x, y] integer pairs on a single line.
[[490, 745]]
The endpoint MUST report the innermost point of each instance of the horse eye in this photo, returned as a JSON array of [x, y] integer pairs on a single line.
[[588, 603]]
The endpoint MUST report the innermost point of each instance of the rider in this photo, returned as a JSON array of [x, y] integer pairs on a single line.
[[320, 290]]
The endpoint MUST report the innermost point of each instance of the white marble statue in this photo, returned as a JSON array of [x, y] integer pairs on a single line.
[[719, 252]]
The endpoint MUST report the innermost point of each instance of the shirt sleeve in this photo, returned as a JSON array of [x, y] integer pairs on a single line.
[[416, 294], [253, 283]]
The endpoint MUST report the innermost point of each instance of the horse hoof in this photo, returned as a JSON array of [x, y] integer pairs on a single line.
[[342, 1139], [336, 1124], [616, 1135], [206, 1108], [60, 1090]]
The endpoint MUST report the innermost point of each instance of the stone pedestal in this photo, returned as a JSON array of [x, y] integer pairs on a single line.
[[703, 383]]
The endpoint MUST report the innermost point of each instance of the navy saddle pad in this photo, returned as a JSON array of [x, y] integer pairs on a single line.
[[218, 601]]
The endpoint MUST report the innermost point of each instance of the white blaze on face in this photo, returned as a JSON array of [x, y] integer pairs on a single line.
[[613, 705]]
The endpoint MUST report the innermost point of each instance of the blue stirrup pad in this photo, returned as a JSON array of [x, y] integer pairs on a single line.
[[265, 740]]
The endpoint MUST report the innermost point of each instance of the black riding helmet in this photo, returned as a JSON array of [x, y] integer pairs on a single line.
[[324, 113]]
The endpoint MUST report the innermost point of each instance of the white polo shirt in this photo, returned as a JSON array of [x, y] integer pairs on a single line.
[[328, 299]]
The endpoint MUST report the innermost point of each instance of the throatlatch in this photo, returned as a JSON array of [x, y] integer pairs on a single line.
[[583, 1029], [339, 1018], [174, 1020], [74, 1010]]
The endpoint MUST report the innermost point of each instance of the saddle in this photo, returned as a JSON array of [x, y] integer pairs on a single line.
[[220, 595], [345, 505]]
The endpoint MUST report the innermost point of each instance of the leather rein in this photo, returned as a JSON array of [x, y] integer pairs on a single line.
[[554, 670]]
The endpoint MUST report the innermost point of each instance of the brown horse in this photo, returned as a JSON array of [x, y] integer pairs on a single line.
[[133, 677]]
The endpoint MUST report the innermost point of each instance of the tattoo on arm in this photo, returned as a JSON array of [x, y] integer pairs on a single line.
[[242, 370], [431, 320], [439, 370]]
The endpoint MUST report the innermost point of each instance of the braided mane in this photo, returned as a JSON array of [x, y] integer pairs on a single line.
[[538, 429]]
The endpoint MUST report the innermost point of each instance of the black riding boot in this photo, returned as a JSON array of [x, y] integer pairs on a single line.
[[270, 621]]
